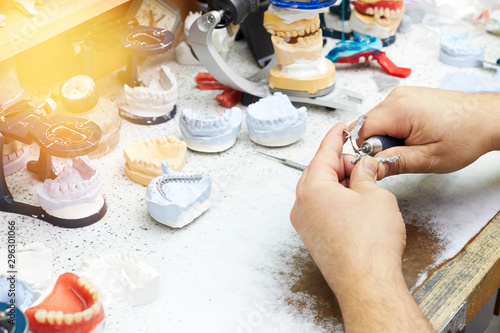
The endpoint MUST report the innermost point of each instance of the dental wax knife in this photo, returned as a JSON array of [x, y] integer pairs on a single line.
[[377, 143], [286, 162]]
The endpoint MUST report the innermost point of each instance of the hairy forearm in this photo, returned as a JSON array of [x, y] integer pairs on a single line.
[[379, 302]]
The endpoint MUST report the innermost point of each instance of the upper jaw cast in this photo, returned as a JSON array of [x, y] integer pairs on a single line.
[[158, 97]]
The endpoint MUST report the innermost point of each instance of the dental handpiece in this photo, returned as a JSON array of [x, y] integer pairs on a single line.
[[377, 143]]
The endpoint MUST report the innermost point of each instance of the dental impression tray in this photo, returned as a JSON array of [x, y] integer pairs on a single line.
[[176, 199], [200, 39], [58, 135]]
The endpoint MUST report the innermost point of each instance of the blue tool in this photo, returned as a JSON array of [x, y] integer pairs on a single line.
[[377, 143]]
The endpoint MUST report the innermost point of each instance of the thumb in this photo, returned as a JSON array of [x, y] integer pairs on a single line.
[[364, 175]]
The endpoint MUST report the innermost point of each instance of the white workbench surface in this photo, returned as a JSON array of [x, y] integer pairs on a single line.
[[232, 269]]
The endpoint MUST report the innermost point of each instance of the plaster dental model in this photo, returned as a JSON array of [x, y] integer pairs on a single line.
[[456, 50], [138, 280], [210, 134], [79, 95], [274, 122], [153, 103], [176, 199], [298, 44], [23, 293], [26, 6], [144, 157], [493, 25], [377, 18], [365, 49], [15, 156], [75, 191], [73, 305], [34, 266]]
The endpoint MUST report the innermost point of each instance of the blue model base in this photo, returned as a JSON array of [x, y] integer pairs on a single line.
[[312, 4]]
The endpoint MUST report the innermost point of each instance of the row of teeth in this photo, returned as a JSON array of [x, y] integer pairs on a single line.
[[218, 122], [301, 40], [13, 156], [56, 188], [144, 94], [143, 163], [314, 27], [53, 317], [386, 12]]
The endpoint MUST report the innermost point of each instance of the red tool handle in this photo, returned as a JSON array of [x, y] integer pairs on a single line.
[[390, 68]]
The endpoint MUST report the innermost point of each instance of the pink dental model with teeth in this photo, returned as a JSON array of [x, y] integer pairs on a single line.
[[73, 305]]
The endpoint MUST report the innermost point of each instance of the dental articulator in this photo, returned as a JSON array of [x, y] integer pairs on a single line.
[[298, 69]]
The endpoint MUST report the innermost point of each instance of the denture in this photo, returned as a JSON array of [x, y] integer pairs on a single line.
[[211, 133], [75, 185], [377, 18], [298, 43], [176, 199], [274, 122], [144, 157], [73, 305]]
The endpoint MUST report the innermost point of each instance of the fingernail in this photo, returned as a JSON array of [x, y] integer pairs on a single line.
[[371, 166]]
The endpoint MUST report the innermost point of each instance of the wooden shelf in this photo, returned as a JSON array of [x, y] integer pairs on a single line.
[[23, 32]]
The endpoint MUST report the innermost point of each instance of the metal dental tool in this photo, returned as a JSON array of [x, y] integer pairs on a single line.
[[286, 162], [377, 143], [373, 145]]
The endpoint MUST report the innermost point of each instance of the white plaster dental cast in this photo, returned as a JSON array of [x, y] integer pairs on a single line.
[[274, 122], [124, 273], [74, 304], [176, 199], [156, 99], [34, 266], [15, 156], [144, 157], [456, 50], [210, 134], [74, 193]]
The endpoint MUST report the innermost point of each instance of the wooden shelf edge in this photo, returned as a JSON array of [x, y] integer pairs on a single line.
[[473, 277]]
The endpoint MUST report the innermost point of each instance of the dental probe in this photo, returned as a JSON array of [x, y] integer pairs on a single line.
[[377, 143], [286, 162]]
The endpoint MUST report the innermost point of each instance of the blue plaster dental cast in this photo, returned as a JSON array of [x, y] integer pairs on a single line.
[[210, 134], [22, 292], [456, 50], [176, 199], [274, 122]]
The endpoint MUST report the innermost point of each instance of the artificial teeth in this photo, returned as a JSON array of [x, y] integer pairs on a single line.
[[41, 316]]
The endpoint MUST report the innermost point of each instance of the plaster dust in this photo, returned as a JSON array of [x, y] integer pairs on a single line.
[[240, 267]]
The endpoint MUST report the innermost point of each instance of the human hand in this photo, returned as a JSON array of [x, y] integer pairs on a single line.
[[444, 130], [349, 224], [355, 233]]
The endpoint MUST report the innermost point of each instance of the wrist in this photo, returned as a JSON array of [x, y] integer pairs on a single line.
[[490, 124]]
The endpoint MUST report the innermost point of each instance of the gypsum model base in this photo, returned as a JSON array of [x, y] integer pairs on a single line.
[[200, 39], [141, 120]]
